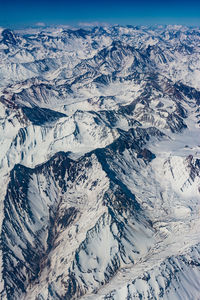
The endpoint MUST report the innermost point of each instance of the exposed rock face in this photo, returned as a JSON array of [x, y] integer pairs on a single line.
[[100, 163]]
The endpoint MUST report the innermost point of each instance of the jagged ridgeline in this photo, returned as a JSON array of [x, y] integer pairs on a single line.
[[100, 163]]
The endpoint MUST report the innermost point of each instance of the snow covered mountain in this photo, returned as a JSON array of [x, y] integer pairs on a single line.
[[100, 163]]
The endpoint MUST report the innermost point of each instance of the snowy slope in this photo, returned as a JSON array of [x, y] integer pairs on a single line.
[[100, 163]]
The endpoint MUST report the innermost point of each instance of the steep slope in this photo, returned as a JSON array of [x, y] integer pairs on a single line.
[[46, 205]]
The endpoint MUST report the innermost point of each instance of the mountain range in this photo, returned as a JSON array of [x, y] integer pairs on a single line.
[[100, 163]]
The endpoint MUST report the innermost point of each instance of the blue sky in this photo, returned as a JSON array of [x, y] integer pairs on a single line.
[[20, 12]]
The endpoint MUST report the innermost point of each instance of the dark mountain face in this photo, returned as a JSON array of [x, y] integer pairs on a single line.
[[9, 38], [40, 116], [99, 163]]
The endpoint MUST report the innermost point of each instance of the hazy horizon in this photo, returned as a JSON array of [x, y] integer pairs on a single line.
[[22, 14]]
